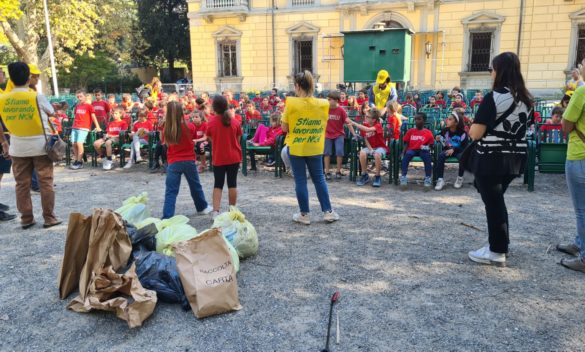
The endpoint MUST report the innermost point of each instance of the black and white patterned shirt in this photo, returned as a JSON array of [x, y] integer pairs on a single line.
[[502, 151]]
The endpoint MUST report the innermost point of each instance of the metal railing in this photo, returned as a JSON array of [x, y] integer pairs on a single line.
[[225, 4], [302, 2]]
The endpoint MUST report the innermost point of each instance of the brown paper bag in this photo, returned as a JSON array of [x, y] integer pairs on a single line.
[[109, 244], [104, 293], [76, 246], [208, 275]]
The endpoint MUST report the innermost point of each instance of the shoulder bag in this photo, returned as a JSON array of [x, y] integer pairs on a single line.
[[54, 145]]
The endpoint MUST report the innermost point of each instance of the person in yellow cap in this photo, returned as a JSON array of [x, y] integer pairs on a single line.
[[383, 92], [35, 75]]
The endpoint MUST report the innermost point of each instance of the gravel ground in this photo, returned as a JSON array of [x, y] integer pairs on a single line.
[[399, 260]]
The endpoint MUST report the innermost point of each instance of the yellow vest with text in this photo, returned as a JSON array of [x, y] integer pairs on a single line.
[[20, 113], [381, 95], [307, 121]]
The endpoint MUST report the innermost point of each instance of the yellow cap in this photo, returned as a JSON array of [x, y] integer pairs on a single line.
[[34, 70], [382, 76]]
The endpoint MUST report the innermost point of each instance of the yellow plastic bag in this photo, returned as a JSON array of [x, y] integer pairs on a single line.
[[175, 220], [134, 209], [238, 231], [172, 234]]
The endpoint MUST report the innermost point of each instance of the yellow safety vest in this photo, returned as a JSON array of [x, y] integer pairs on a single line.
[[381, 96], [20, 113], [307, 121]]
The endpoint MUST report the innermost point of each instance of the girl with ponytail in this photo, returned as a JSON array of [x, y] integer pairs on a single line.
[[225, 133]]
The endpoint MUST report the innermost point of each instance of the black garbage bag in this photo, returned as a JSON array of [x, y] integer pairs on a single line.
[[158, 272], [143, 239]]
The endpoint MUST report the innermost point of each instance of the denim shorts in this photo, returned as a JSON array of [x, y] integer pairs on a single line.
[[380, 151], [338, 142], [78, 136]]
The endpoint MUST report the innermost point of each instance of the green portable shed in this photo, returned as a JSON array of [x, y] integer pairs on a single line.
[[366, 52]]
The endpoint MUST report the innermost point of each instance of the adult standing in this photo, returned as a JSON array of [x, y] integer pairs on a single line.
[[575, 82], [5, 166], [304, 120], [500, 155], [383, 92], [574, 125], [25, 114]]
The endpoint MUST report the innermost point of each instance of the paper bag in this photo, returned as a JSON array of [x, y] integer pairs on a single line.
[[208, 274], [105, 293], [109, 245], [76, 246]]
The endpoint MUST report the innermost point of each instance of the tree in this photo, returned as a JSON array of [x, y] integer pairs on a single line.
[[75, 28], [89, 69], [165, 27]]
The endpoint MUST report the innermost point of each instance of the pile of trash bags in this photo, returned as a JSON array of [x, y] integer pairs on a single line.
[[138, 260]]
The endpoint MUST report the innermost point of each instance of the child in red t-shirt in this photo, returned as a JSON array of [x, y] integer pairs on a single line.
[[101, 108], [273, 96], [362, 98], [266, 137], [112, 136], [440, 100], [551, 130], [112, 103], [418, 142], [253, 116], [477, 99], [200, 140], [178, 135], [373, 134], [343, 99], [395, 119], [335, 134], [458, 102], [82, 123], [265, 108], [225, 133], [139, 136]]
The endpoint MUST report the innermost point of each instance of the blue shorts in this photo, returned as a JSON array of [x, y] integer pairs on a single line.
[[380, 151], [338, 142], [78, 136]]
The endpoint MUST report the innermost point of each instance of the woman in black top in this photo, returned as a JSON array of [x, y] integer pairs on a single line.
[[500, 154]]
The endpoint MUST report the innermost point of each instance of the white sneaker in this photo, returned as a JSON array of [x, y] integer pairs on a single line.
[[128, 165], [302, 218], [485, 256], [458, 182], [440, 184], [139, 159], [330, 216], [214, 214], [107, 164], [206, 211]]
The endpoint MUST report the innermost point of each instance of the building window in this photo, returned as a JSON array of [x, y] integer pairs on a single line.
[[480, 51], [303, 54], [302, 2], [228, 59], [580, 45]]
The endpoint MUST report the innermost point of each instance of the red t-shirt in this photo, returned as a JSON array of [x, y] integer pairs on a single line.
[[272, 100], [361, 101], [200, 130], [83, 116], [376, 138], [394, 123], [234, 103], [101, 109], [343, 103], [253, 115], [146, 125], [57, 124], [441, 103], [226, 142], [238, 117], [185, 149], [337, 118], [115, 127], [417, 138]]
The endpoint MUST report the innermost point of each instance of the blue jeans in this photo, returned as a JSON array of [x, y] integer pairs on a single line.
[[173, 183], [299, 165], [575, 173], [34, 184], [425, 155]]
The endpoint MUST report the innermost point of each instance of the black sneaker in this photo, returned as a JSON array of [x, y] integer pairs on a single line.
[[6, 217], [328, 176], [4, 207]]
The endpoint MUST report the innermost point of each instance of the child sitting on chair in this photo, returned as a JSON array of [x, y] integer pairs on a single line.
[[418, 142], [477, 99], [551, 131], [265, 107], [139, 137], [373, 134], [200, 140], [266, 137], [458, 102], [395, 119], [112, 137], [454, 139], [440, 100]]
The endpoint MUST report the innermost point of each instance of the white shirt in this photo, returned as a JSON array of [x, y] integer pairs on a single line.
[[22, 147]]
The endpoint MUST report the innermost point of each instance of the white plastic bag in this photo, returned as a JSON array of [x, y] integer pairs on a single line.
[[134, 209], [238, 231]]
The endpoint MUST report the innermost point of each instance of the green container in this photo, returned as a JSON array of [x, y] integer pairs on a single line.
[[368, 51]]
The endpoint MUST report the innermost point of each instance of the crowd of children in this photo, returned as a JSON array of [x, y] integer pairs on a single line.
[[206, 119]]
